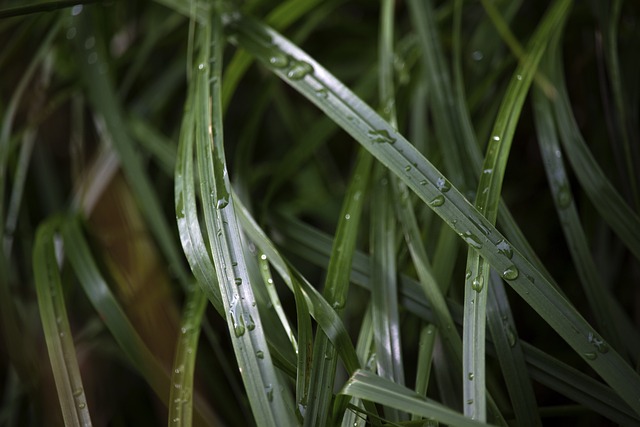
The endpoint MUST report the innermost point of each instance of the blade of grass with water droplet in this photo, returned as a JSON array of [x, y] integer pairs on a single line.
[[392, 149], [367, 385], [55, 323], [245, 326], [335, 291], [487, 202]]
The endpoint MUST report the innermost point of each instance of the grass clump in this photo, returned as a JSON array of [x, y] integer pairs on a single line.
[[319, 213]]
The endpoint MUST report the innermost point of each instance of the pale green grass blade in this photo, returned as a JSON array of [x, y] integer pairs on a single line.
[[487, 202], [600, 301], [304, 351], [245, 326], [425, 356], [383, 235], [57, 333], [605, 198], [384, 298], [367, 385], [335, 291], [274, 299], [102, 96], [181, 391]]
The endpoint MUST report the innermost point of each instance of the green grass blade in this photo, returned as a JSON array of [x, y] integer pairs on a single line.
[[245, 326], [367, 385], [335, 292], [597, 295], [607, 201], [57, 333], [181, 392], [425, 356], [510, 356], [487, 202]]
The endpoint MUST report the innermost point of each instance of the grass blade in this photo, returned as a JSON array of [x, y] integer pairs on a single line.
[[245, 327], [367, 385], [57, 332]]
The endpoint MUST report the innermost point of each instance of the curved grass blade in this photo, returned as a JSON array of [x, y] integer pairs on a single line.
[[181, 392], [247, 334], [57, 332], [313, 81], [335, 292], [487, 202], [607, 201], [367, 385], [600, 301]]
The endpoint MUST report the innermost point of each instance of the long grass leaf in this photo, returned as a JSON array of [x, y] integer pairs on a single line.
[[57, 333], [487, 202], [367, 385], [335, 292], [245, 326], [181, 393]]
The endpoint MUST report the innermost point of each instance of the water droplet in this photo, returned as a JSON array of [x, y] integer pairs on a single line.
[[76, 10], [260, 354], [238, 322], [519, 76], [82, 405], [381, 136], [467, 275], [337, 305], [347, 217], [201, 66], [407, 168], [471, 239], [251, 324], [423, 182], [504, 249], [476, 55], [322, 93], [71, 33], [269, 389], [598, 343], [443, 185], [477, 284], [299, 69], [470, 376], [590, 355], [222, 203], [564, 197], [511, 335], [437, 201], [279, 60], [89, 43], [470, 402], [510, 273], [77, 392], [496, 138], [487, 171]]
